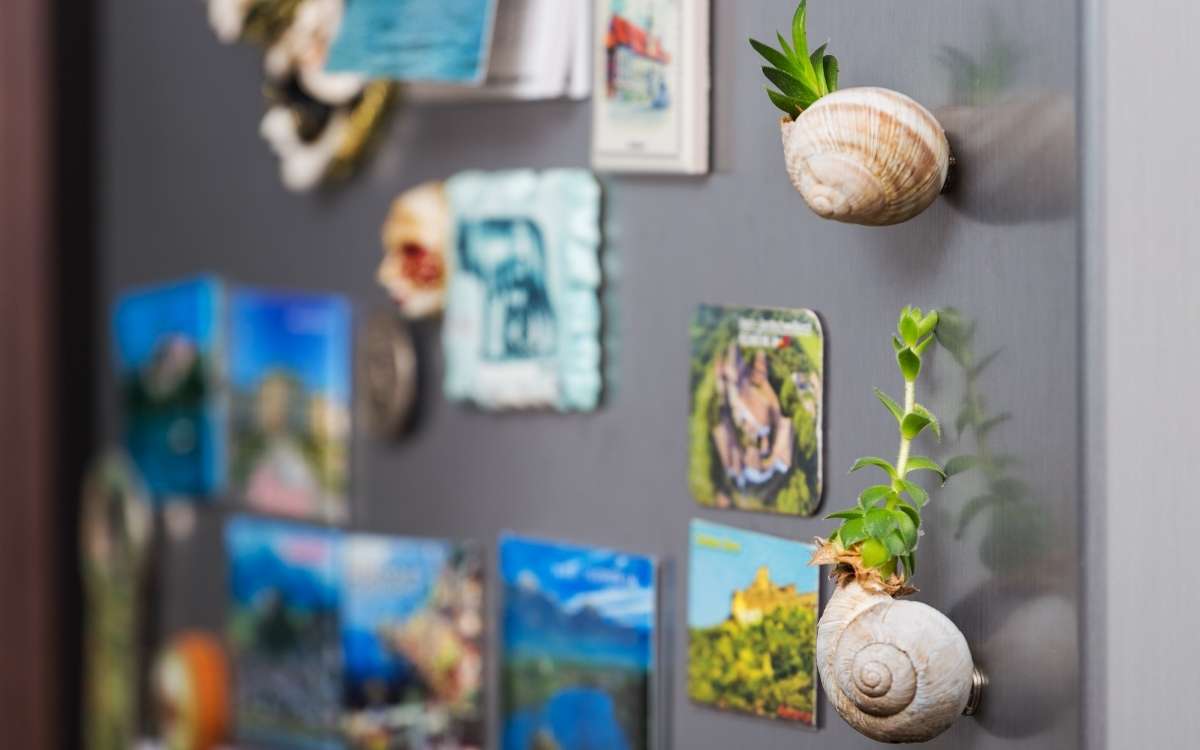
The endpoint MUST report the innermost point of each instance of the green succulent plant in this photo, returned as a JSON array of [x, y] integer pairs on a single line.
[[884, 528], [801, 78]]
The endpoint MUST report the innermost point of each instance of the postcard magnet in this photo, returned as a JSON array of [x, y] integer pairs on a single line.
[[756, 425], [752, 623]]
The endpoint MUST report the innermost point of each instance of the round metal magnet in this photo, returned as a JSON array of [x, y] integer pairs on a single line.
[[386, 372]]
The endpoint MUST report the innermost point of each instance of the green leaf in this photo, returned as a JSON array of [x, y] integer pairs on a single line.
[[873, 494], [891, 405], [848, 515], [907, 529], [916, 492], [875, 554], [910, 564], [933, 422], [913, 424], [852, 532], [897, 344], [789, 105], [909, 330], [879, 522], [789, 85], [928, 323], [831, 72], [862, 463], [800, 30], [895, 544], [815, 60], [791, 54], [772, 55], [959, 464], [922, 345], [917, 463], [911, 512], [910, 364]]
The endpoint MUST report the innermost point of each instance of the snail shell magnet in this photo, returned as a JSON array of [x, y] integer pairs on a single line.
[[896, 670], [866, 156]]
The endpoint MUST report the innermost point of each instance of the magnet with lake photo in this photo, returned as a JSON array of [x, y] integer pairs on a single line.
[[578, 647], [756, 420], [752, 623]]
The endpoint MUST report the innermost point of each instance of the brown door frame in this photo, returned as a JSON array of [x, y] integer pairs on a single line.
[[29, 674]]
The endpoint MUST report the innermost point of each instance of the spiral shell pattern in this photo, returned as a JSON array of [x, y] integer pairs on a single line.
[[866, 156], [897, 671]]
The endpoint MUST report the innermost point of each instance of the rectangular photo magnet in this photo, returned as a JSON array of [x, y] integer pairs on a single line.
[[756, 424]]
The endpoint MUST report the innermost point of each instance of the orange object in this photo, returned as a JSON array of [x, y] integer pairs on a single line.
[[191, 690]]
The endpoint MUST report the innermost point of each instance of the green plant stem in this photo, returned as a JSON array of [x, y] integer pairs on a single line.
[[910, 400]]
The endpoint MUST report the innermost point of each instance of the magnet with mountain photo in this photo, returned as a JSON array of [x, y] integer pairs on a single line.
[[578, 647], [756, 420]]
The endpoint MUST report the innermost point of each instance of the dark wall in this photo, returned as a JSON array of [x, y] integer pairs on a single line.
[[187, 185]]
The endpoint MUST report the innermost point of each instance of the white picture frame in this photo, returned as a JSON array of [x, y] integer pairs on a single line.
[[650, 86]]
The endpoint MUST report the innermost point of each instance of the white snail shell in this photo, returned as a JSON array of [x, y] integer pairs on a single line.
[[866, 156], [896, 670]]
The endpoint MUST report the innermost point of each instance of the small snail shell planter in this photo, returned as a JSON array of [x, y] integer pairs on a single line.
[[896, 670], [861, 155], [866, 156]]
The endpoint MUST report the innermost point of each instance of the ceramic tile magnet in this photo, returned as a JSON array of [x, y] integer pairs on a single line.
[[523, 317], [756, 422]]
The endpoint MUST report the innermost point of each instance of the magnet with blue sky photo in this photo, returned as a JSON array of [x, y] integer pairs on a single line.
[[756, 423], [169, 343], [444, 41], [284, 591], [290, 374], [578, 647], [412, 639], [752, 623]]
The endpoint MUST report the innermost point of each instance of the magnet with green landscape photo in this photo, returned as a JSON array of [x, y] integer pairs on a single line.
[[757, 379]]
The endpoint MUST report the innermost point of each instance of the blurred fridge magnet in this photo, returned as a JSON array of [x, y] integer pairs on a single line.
[[415, 40], [756, 422], [169, 341], [284, 600], [412, 635], [415, 238], [289, 370], [318, 122], [116, 525], [523, 315], [651, 78], [541, 49], [386, 373], [191, 693]]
